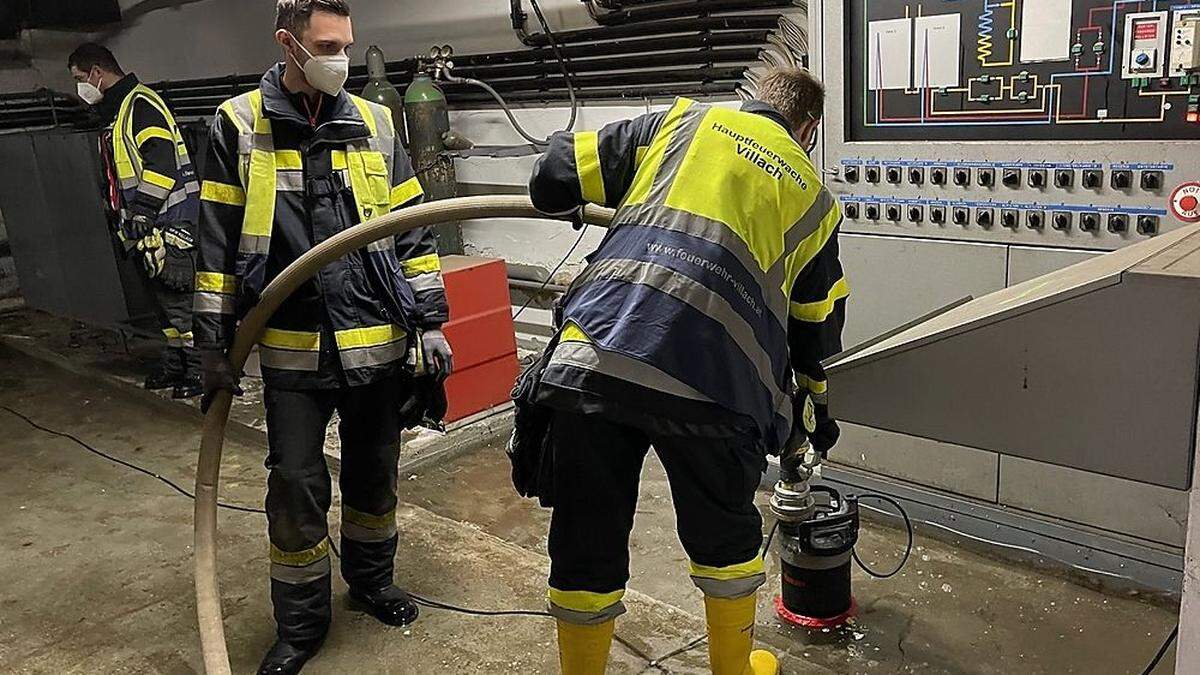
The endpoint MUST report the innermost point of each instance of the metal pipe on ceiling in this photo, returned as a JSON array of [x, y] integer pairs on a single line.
[[650, 12], [662, 27]]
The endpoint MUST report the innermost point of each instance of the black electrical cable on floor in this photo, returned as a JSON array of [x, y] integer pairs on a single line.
[[907, 549], [550, 277], [1162, 651], [438, 604], [117, 460], [770, 537]]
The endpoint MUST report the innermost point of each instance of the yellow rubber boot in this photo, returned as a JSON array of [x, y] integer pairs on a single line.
[[583, 650], [731, 637]]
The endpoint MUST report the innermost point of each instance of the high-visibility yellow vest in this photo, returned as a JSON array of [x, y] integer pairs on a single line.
[[181, 193], [689, 293], [366, 166]]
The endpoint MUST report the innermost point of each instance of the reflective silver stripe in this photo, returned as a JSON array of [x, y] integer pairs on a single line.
[[716, 232], [430, 281], [586, 618], [254, 244], [730, 589], [130, 183], [289, 181], [177, 197], [385, 139], [382, 245], [365, 357], [820, 399], [589, 357], [250, 142], [704, 301], [801, 229], [153, 190], [301, 575], [287, 359], [676, 152], [213, 303], [367, 535]]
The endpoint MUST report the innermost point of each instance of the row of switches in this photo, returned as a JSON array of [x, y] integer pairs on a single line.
[[1117, 223], [1091, 179]]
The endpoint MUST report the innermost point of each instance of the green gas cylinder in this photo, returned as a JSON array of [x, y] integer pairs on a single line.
[[428, 120], [379, 90]]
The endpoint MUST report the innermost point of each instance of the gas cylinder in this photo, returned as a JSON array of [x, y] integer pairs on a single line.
[[428, 121], [379, 90]]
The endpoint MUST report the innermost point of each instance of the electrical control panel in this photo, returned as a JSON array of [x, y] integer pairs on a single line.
[[1145, 45], [1185, 44], [1055, 69], [1070, 124]]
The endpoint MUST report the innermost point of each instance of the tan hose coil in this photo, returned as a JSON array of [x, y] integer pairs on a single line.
[[208, 468]]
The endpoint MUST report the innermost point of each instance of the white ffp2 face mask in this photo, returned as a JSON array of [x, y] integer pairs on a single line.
[[326, 74], [89, 92]]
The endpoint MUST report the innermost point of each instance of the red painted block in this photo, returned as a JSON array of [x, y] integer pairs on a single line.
[[481, 333]]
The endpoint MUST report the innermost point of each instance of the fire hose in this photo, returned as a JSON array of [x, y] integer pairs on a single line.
[[208, 467]]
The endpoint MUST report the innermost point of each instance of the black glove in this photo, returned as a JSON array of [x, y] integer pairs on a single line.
[[439, 358], [179, 270], [218, 376], [137, 226], [826, 435], [425, 406]]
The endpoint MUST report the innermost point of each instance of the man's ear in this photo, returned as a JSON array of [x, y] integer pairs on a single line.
[[804, 133]]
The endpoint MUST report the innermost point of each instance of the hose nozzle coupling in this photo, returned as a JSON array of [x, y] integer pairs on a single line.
[[792, 499]]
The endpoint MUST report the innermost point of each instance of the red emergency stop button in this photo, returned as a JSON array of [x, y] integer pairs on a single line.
[[1185, 202]]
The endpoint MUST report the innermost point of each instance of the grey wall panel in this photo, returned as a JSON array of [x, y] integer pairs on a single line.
[[953, 468], [55, 220], [894, 280], [1032, 385], [1134, 509], [1025, 263]]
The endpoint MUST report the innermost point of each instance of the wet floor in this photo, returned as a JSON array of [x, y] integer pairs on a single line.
[[97, 570], [948, 611]]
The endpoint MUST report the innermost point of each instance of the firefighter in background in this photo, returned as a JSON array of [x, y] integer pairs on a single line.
[[697, 328], [153, 202], [292, 164]]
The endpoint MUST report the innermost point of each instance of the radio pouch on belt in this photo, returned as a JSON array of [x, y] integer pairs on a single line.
[[530, 449]]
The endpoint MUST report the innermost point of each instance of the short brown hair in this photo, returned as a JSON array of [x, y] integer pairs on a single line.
[[89, 55], [294, 15], [795, 92]]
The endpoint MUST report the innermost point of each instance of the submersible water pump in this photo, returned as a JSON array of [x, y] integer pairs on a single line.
[[818, 529]]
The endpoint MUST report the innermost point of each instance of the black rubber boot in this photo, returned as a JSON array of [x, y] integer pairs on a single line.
[[168, 373], [286, 658], [164, 377], [390, 605], [190, 386]]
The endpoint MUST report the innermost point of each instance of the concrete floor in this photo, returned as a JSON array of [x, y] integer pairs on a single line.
[[97, 569]]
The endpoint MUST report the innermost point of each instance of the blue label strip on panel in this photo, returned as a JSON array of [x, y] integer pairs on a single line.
[[1075, 208], [999, 165]]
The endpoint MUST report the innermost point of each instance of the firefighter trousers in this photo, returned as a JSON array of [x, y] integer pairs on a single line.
[[299, 495], [597, 470], [174, 311]]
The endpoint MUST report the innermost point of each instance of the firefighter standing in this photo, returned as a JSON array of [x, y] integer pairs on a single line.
[[292, 164], [153, 201], [716, 292]]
